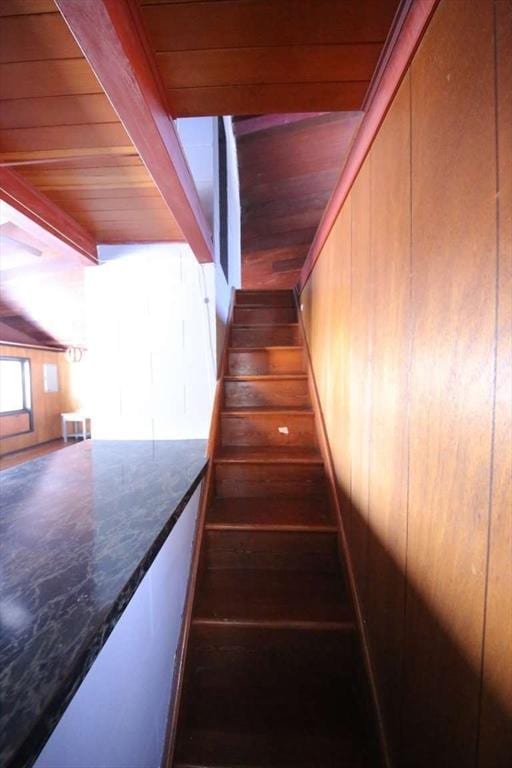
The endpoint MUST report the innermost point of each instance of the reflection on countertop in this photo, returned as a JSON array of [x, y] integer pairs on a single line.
[[78, 530]]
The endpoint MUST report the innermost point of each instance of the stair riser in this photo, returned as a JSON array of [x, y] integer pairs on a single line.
[[264, 655], [272, 513], [264, 315], [268, 361], [271, 551], [266, 298], [263, 430], [291, 393], [272, 336], [260, 480]]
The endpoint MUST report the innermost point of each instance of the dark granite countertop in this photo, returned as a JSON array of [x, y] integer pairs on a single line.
[[79, 528]]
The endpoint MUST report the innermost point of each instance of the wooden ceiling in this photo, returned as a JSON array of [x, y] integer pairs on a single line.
[[240, 57], [58, 127], [206, 57], [287, 174], [264, 57], [16, 328]]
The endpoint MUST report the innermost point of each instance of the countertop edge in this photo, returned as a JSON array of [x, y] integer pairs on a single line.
[[32, 746]]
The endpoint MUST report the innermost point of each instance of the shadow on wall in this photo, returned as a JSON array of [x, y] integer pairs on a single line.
[[453, 719]]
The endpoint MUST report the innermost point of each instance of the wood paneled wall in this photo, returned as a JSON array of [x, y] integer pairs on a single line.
[[408, 316], [46, 406]]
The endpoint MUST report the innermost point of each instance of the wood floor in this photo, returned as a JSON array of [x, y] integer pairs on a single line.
[[19, 457], [273, 673]]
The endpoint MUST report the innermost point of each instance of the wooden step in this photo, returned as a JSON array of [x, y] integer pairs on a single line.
[[266, 360], [278, 335], [272, 597], [281, 298], [312, 513], [265, 427], [254, 315], [238, 474], [309, 747], [272, 697], [266, 654], [287, 391], [271, 550]]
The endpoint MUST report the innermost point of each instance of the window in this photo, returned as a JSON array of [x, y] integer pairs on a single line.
[[14, 385]]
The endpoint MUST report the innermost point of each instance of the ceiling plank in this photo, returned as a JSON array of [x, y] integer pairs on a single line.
[[18, 193], [265, 122], [110, 36]]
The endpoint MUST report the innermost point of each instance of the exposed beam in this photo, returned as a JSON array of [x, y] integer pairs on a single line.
[[22, 196], [405, 35], [110, 34]]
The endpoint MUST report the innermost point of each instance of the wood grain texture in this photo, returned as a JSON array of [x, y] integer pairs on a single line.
[[24, 197], [46, 406], [388, 465], [247, 57], [265, 23], [286, 176], [110, 35], [270, 562], [428, 494], [495, 744], [52, 108], [297, 64], [414, 18], [361, 370], [452, 370]]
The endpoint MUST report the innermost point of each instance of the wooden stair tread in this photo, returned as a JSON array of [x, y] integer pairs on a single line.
[[260, 724], [266, 376], [267, 455], [281, 513], [263, 327], [272, 597], [266, 348], [247, 410]]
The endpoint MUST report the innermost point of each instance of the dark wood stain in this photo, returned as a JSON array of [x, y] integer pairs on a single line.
[[286, 176], [273, 674]]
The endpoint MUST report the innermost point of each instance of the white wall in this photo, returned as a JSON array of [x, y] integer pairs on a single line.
[[118, 716], [151, 343], [199, 137], [222, 287]]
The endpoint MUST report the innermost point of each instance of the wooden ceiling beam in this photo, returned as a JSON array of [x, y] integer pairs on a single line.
[[110, 35], [33, 204]]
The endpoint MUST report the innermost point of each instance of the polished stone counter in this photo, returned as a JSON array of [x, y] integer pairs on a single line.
[[79, 528]]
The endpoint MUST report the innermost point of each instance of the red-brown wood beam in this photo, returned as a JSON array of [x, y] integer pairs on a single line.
[[405, 36], [110, 34], [18, 193]]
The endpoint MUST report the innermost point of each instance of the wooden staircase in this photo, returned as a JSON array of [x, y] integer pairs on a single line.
[[273, 673]]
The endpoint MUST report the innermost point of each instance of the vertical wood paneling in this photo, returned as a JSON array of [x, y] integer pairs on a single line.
[[425, 390], [390, 247], [360, 369], [495, 747], [452, 371]]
